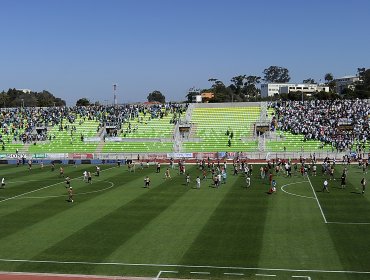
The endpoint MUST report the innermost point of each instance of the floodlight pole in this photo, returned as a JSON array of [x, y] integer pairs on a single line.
[[115, 94]]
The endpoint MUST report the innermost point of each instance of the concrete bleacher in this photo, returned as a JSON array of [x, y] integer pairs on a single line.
[[62, 141], [144, 134], [7, 136], [148, 127], [211, 122], [208, 126], [137, 147], [294, 143]]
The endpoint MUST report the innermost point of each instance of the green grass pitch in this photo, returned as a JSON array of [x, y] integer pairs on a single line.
[[115, 226]]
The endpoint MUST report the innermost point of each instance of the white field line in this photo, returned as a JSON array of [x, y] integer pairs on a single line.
[[306, 277], [22, 194], [303, 196], [75, 194], [349, 223], [233, 273], [39, 189], [83, 276], [186, 266], [318, 202], [164, 271], [200, 272], [266, 275]]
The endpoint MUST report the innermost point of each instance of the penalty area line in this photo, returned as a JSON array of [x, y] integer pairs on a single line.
[[348, 223], [318, 202]]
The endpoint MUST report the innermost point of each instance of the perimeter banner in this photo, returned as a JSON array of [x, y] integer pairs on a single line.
[[179, 155], [80, 156]]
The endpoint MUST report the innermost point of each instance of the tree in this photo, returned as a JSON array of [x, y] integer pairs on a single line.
[[328, 78], [250, 90], [191, 94], [361, 73], [348, 93], [83, 102], [223, 95], [220, 91], [322, 95], [236, 87], [4, 99], [156, 96], [17, 98], [329, 81], [309, 81], [276, 74], [362, 89]]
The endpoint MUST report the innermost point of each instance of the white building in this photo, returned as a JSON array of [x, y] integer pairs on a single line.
[[345, 82], [271, 89], [197, 99], [268, 90]]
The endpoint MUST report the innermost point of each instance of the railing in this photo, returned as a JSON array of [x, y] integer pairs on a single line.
[[177, 143], [254, 156]]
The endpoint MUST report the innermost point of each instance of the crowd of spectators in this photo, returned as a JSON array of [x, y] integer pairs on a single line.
[[340, 123], [29, 125], [343, 124]]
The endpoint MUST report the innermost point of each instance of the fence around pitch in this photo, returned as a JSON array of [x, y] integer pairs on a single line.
[[98, 158]]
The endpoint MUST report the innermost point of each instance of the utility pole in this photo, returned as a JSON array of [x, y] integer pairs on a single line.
[[115, 95]]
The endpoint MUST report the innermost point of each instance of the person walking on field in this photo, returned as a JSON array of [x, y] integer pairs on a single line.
[[68, 182], [61, 172], [363, 184], [70, 194], [187, 180], [167, 174], [325, 186], [89, 177], [85, 176], [198, 182], [343, 181], [248, 181], [147, 182]]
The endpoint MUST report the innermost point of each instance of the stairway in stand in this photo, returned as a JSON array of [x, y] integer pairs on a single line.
[[24, 148], [99, 148]]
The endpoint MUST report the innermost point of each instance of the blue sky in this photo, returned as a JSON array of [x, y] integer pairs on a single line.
[[80, 48]]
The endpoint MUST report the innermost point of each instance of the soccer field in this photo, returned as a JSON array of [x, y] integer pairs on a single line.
[[115, 226]]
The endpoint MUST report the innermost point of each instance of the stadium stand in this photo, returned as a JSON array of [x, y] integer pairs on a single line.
[[335, 124], [70, 139], [222, 128], [338, 125]]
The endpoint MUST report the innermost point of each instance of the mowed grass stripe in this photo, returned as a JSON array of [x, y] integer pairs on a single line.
[[24, 180], [295, 231], [29, 241], [349, 205], [233, 234], [25, 185], [352, 246], [19, 190], [343, 205], [10, 169], [27, 212], [172, 232], [97, 240]]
